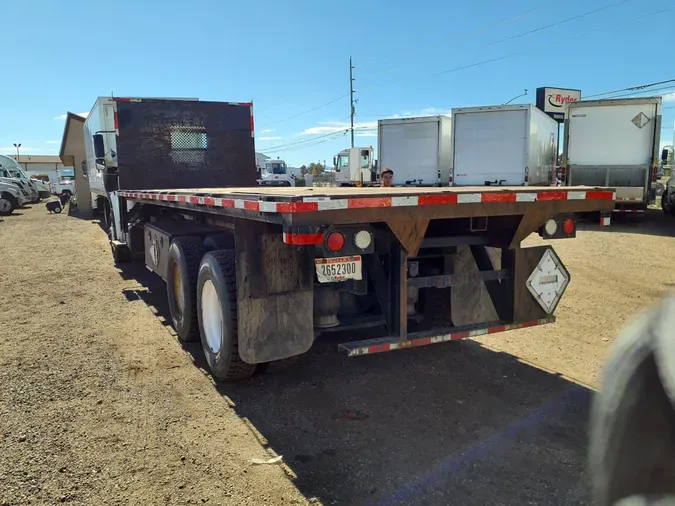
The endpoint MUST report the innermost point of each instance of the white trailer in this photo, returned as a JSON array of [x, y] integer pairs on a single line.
[[513, 145], [416, 149], [614, 142]]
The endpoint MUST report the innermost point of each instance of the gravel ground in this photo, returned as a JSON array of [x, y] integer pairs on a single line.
[[100, 404]]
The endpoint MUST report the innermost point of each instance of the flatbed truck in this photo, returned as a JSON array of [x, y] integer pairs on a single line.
[[258, 274]]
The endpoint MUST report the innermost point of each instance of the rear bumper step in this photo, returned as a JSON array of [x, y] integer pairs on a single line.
[[425, 338]]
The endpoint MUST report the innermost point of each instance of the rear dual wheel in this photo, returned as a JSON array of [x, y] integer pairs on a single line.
[[202, 294], [217, 316]]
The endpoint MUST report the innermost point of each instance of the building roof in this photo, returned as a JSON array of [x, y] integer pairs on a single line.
[[37, 158], [70, 117]]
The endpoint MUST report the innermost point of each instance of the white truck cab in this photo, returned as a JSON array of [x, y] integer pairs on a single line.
[[275, 173], [10, 169], [355, 167]]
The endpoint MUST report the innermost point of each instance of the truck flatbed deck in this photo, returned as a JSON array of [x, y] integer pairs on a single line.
[[300, 205]]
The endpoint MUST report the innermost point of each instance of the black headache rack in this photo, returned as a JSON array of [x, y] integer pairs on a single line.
[[184, 144]]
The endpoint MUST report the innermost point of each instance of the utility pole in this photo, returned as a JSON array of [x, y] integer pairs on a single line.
[[351, 98]]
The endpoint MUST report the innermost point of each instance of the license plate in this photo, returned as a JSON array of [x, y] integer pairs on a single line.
[[332, 270]]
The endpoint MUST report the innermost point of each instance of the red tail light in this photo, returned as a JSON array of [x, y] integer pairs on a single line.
[[568, 226], [335, 241], [655, 172]]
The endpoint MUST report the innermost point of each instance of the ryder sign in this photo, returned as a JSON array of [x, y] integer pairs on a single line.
[[553, 101]]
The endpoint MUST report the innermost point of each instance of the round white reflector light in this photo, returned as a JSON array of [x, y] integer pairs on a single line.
[[551, 227], [362, 239]]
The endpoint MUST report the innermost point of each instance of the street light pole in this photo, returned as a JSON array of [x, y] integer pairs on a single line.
[[17, 146]]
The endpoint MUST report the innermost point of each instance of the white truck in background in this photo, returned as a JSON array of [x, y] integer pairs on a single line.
[[506, 145], [417, 149], [614, 143], [355, 167], [275, 172]]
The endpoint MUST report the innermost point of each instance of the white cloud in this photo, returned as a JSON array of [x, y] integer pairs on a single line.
[[53, 142], [267, 131], [64, 116], [669, 97], [367, 128], [22, 149], [269, 138], [330, 127]]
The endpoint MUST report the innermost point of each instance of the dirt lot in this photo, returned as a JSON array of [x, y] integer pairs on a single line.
[[100, 404]]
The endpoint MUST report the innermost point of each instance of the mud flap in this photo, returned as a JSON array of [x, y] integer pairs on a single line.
[[275, 290]]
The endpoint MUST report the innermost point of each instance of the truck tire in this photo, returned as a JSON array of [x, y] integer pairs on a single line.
[[665, 206], [632, 427], [7, 203], [217, 314], [185, 254]]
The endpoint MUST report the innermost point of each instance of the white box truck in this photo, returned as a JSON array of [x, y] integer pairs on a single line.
[[513, 145], [614, 142], [416, 149]]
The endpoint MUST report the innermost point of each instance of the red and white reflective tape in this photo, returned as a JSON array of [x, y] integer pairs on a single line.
[[605, 221], [632, 199], [302, 239], [629, 210], [455, 336], [311, 204]]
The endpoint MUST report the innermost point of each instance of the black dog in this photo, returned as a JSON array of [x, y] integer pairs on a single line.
[[53, 206]]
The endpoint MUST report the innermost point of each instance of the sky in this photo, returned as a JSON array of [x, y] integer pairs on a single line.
[[292, 60]]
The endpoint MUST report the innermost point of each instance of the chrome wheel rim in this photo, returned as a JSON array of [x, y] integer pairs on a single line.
[[212, 321]]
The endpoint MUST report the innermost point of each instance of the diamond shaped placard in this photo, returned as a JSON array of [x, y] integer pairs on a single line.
[[640, 120], [548, 281]]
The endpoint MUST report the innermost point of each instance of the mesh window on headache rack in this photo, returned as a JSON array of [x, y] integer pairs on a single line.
[[188, 144]]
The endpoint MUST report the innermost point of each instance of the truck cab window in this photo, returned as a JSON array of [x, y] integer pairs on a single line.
[[365, 159], [277, 168], [343, 162]]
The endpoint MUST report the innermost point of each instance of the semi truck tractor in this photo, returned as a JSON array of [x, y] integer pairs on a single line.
[[258, 274], [614, 143]]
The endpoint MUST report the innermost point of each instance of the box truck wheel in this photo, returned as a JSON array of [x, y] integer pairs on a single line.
[[183, 259], [217, 313]]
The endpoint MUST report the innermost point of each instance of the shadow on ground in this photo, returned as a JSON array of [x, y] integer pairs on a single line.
[[651, 222], [446, 424]]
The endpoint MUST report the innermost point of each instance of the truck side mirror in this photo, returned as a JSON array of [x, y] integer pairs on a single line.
[[99, 148], [335, 161], [664, 156]]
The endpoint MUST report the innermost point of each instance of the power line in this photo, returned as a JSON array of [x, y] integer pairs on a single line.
[[633, 93], [520, 53], [317, 140], [307, 112], [529, 32], [309, 139], [631, 88], [465, 34]]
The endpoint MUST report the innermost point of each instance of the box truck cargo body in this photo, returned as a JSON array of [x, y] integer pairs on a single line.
[[416, 149], [614, 142], [514, 145]]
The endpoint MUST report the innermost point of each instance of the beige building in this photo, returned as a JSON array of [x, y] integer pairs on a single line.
[[72, 154], [43, 164]]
